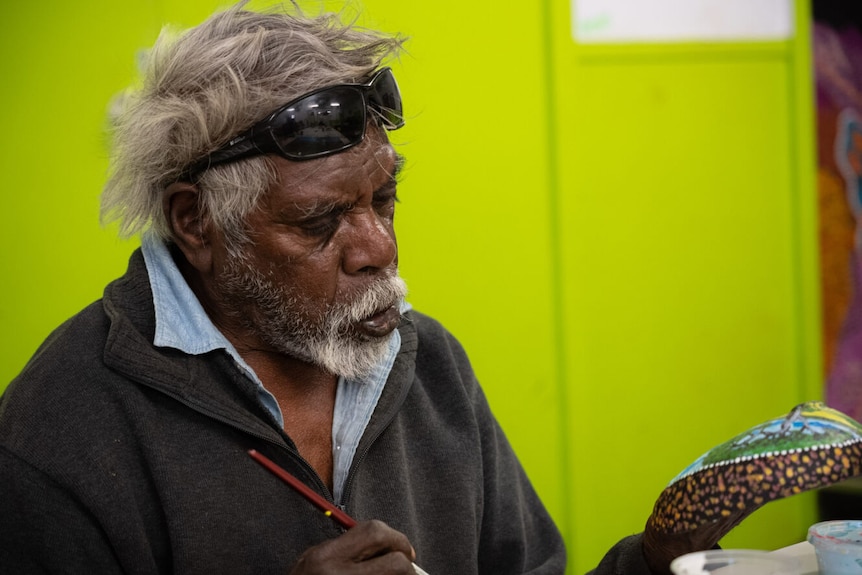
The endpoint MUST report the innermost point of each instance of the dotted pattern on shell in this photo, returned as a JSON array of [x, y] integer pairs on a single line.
[[718, 491]]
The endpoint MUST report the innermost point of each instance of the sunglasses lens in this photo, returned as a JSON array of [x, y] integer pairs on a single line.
[[321, 123], [325, 122], [386, 100]]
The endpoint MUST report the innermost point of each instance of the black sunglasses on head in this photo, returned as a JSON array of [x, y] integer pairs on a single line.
[[320, 123]]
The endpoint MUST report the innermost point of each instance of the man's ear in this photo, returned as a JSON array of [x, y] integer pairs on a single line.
[[190, 230]]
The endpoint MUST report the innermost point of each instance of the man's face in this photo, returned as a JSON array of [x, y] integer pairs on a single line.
[[319, 279]]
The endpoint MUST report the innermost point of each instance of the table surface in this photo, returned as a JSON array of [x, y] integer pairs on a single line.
[[805, 562]]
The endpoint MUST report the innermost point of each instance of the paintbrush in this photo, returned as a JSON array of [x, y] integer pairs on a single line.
[[328, 508]]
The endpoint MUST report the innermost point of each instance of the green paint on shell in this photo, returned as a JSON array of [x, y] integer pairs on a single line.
[[813, 446]]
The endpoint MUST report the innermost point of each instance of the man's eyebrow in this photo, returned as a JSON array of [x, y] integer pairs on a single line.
[[320, 207], [323, 206]]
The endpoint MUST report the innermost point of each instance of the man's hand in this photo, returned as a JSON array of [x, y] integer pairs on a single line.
[[369, 548], [660, 547]]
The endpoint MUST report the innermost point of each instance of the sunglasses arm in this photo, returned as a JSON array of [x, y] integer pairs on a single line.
[[252, 143]]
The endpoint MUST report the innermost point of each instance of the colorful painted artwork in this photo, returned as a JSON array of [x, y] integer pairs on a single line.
[[838, 69], [813, 446]]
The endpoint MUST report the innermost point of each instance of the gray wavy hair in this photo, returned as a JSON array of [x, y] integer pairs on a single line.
[[204, 86]]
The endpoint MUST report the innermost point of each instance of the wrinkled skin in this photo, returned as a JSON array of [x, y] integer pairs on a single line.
[[370, 548], [322, 236]]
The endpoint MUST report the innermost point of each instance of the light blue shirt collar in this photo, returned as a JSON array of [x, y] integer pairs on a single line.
[[182, 323]]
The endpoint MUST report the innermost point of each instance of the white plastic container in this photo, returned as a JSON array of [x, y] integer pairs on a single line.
[[838, 546], [731, 562]]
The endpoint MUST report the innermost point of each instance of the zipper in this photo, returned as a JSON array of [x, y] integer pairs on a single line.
[[357, 461], [360, 457], [285, 444]]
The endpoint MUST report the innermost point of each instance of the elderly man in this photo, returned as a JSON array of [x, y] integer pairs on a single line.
[[262, 312]]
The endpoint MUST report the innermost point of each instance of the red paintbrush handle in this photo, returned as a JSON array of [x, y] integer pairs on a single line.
[[328, 508]]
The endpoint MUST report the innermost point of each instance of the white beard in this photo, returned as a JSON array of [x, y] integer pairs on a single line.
[[280, 317]]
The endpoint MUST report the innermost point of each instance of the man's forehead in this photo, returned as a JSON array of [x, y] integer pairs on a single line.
[[377, 160], [319, 185]]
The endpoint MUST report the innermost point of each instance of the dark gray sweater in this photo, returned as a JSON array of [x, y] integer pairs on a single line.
[[120, 457]]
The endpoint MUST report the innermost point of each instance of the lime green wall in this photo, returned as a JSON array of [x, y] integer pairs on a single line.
[[685, 208], [622, 237]]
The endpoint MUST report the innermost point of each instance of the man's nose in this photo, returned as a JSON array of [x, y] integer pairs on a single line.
[[370, 245]]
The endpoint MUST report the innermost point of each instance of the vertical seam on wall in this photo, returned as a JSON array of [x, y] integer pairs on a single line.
[[554, 239], [804, 210], [805, 243]]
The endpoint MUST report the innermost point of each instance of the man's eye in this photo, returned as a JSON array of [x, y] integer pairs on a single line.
[[320, 227], [385, 202]]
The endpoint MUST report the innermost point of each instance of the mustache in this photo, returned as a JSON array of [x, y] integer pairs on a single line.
[[380, 295]]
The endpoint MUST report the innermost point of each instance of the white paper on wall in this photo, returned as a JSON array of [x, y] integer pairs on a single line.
[[615, 21]]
